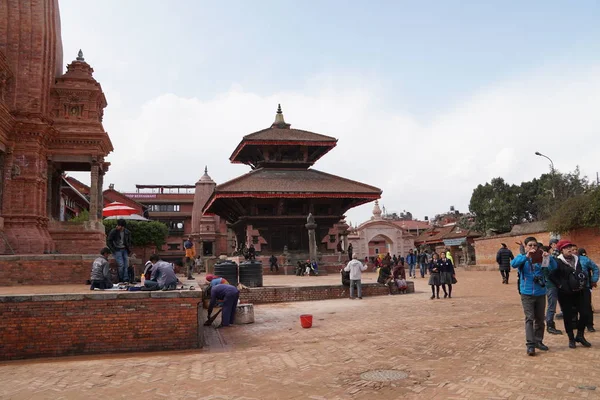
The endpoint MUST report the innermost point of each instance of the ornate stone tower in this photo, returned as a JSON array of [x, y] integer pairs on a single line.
[[204, 226]]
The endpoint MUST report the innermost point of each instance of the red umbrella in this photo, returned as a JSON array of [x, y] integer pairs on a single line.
[[116, 208]]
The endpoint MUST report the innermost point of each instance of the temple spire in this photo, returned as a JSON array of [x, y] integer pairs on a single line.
[[206, 169], [279, 121], [80, 56]]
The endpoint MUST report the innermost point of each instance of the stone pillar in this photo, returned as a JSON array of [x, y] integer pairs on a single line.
[[100, 193], [312, 239], [94, 193]]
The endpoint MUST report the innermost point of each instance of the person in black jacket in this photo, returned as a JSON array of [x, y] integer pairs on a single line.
[[447, 272], [573, 294], [503, 258], [119, 242]]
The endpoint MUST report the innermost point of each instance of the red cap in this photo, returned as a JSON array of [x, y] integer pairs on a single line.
[[563, 243]]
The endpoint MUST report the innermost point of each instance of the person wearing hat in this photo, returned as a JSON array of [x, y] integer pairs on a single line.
[[591, 270], [503, 258], [573, 294], [533, 292], [551, 294]]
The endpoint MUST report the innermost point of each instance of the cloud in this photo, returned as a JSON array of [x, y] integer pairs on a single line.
[[423, 166]]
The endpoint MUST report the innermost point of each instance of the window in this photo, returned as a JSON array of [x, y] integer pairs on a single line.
[[164, 207], [255, 239], [376, 251], [173, 246], [331, 238]]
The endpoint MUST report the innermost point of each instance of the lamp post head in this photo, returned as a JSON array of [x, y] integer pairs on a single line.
[[537, 153]]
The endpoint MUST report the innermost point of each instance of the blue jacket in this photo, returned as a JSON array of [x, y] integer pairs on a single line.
[[527, 272], [588, 265], [411, 258]]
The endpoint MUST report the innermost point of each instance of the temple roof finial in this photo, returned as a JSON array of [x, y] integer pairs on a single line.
[[80, 56], [279, 121], [206, 169]]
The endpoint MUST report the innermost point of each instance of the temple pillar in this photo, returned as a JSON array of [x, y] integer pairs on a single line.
[[100, 193], [94, 192], [312, 239]]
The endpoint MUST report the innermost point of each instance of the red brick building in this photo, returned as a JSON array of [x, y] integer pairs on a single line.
[[50, 123]]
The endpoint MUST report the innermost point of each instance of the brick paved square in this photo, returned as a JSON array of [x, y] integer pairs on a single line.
[[468, 347]]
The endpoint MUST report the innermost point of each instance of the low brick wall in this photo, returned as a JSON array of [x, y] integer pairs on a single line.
[[308, 293], [99, 322], [50, 269], [487, 248]]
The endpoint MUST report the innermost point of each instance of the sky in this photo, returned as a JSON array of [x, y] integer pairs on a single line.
[[427, 99]]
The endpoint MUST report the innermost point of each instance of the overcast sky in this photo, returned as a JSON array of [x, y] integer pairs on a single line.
[[427, 99]]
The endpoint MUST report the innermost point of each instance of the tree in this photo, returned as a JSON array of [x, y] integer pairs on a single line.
[[580, 211], [494, 207], [142, 233]]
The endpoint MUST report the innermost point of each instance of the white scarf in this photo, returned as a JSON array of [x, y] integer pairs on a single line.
[[572, 263]]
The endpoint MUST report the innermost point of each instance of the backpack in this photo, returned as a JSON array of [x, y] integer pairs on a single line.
[[577, 281]]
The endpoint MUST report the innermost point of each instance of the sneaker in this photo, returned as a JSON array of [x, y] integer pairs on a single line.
[[531, 351]]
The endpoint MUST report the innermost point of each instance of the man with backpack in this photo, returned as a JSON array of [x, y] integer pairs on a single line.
[[573, 293], [591, 270]]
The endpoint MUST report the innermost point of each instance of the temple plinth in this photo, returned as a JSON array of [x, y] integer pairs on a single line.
[[268, 206]]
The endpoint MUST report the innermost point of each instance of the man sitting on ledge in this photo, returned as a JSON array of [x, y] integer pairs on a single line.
[[163, 275], [100, 275]]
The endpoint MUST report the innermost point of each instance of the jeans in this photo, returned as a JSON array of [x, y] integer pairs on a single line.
[[552, 294], [411, 270], [423, 270], [358, 287], [533, 307], [122, 259]]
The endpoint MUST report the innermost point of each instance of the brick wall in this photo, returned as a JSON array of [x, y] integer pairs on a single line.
[[486, 248], [99, 322], [50, 269], [308, 293]]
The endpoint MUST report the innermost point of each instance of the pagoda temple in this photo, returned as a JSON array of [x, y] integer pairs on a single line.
[[283, 201]]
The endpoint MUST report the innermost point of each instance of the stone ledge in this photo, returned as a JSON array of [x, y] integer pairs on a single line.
[[102, 295]]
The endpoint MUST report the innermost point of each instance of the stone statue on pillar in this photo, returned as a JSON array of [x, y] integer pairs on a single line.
[[312, 239]]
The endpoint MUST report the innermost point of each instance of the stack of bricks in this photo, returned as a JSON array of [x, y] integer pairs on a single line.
[[99, 322]]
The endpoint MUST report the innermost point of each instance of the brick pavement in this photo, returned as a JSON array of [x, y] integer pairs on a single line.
[[468, 347]]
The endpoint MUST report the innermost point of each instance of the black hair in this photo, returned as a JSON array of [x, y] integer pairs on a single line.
[[529, 239], [503, 245], [581, 252], [105, 250], [121, 222], [154, 258]]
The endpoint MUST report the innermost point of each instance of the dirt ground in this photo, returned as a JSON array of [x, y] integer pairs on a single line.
[[468, 347]]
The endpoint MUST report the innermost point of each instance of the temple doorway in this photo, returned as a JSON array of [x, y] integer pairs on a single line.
[[380, 244]]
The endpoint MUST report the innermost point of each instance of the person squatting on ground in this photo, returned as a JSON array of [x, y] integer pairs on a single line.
[[228, 295], [434, 276], [591, 270], [190, 254], [163, 275], [100, 276], [573, 293], [447, 274], [355, 267], [532, 289], [119, 242], [411, 260], [503, 258]]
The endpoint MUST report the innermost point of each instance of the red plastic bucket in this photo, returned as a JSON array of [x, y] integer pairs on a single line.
[[306, 320]]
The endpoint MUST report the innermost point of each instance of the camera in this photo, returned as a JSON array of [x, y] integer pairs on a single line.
[[540, 280]]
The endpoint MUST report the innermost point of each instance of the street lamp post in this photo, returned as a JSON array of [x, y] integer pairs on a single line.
[[537, 153]]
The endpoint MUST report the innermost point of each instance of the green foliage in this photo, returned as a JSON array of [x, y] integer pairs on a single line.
[[581, 211], [142, 233], [82, 217], [498, 206]]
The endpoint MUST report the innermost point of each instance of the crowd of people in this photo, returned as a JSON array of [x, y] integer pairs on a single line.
[[560, 272], [391, 272]]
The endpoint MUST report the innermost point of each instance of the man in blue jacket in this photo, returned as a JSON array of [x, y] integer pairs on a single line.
[[411, 260], [532, 288]]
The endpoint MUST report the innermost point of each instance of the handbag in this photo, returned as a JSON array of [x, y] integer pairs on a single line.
[[454, 280]]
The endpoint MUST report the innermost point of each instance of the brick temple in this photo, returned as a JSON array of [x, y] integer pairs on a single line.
[[269, 205], [50, 123]]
